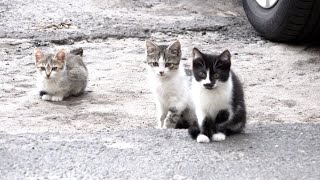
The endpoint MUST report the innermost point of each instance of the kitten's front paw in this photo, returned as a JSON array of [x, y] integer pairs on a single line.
[[57, 98], [219, 137], [168, 126], [46, 97], [170, 122], [203, 139]]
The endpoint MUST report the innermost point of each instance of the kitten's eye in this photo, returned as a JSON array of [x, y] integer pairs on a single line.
[[202, 74], [54, 68], [216, 76], [168, 65], [155, 64], [42, 68]]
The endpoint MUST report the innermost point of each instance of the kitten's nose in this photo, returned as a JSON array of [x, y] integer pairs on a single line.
[[208, 85], [48, 75], [161, 73]]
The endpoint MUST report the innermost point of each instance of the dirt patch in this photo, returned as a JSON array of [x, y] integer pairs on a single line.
[[118, 96]]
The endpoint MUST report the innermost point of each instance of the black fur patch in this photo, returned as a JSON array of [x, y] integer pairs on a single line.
[[194, 130], [222, 117], [217, 66], [182, 124], [208, 127], [41, 93]]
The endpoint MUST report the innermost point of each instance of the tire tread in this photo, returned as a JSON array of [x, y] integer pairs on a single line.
[[299, 20]]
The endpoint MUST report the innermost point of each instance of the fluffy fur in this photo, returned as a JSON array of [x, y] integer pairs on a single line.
[[218, 98], [169, 85], [60, 75]]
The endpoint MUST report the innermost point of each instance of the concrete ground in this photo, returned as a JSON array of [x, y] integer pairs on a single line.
[[109, 132]]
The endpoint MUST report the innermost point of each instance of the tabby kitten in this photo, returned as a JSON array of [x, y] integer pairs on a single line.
[[218, 98], [169, 85], [60, 75]]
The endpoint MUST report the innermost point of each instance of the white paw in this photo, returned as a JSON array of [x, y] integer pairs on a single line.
[[219, 137], [203, 139], [57, 98], [46, 97]]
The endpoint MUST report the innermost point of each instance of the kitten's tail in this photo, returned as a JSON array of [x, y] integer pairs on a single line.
[[194, 130], [78, 51]]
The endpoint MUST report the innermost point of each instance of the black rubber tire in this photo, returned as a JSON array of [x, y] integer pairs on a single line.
[[288, 20]]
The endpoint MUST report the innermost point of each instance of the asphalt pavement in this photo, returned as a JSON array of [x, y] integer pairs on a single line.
[[278, 151]]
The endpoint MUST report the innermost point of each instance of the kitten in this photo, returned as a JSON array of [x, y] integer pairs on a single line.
[[169, 85], [218, 98], [60, 75]]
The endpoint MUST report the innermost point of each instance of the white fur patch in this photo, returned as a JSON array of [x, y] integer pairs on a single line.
[[170, 90], [203, 139], [51, 86], [46, 97], [57, 98], [207, 80], [218, 137]]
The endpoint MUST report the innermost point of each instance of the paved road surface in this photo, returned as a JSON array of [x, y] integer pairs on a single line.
[[283, 151]]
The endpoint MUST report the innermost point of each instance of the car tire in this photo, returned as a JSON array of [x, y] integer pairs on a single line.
[[287, 20]]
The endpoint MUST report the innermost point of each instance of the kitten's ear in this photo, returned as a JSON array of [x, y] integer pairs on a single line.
[[225, 59], [151, 47], [38, 54], [61, 55], [225, 56], [175, 48], [196, 53]]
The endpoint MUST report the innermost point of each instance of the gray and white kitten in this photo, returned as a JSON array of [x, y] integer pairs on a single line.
[[169, 85], [60, 75]]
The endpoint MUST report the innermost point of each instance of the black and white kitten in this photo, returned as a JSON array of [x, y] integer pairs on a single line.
[[218, 98]]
